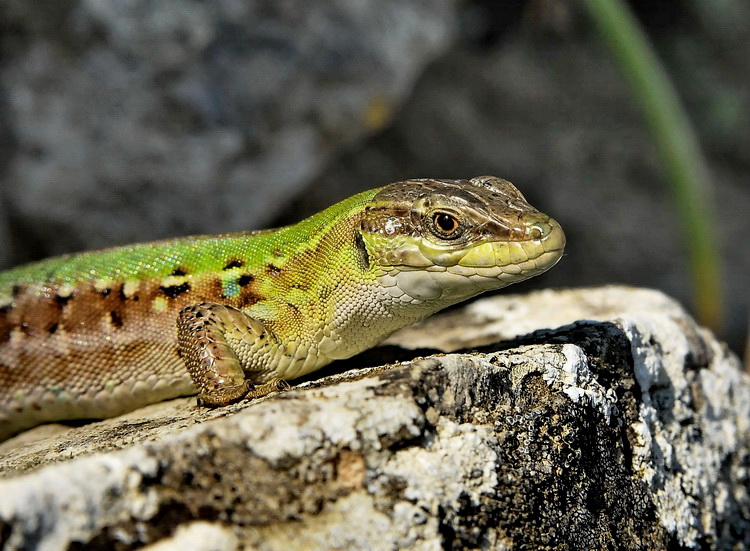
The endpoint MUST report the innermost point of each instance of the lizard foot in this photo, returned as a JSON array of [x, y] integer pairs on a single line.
[[274, 385], [208, 336]]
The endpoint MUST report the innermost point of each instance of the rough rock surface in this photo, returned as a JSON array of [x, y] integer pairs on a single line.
[[625, 428]]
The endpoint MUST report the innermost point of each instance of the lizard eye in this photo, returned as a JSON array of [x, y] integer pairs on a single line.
[[445, 225]]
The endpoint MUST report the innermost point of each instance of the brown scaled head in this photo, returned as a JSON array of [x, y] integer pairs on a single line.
[[481, 230]]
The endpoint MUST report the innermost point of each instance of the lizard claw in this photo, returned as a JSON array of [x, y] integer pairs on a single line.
[[274, 385]]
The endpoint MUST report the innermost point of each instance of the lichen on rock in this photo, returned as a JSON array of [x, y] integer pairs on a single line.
[[624, 426]]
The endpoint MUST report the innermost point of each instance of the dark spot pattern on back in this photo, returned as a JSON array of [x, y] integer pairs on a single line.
[[62, 301], [234, 263], [245, 279], [173, 291], [5, 330], [116, 319]]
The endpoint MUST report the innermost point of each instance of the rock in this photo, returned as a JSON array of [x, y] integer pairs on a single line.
[[624, 428], [155, 121]]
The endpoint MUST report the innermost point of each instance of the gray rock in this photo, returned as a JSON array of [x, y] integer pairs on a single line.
[[157, 119], [626, 429]]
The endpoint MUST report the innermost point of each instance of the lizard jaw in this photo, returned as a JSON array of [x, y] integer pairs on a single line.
[[475, 269]]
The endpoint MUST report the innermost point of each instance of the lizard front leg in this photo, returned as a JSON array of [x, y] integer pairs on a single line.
[[209, 336]]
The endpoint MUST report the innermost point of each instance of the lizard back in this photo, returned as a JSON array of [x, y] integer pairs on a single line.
[[93, 334]]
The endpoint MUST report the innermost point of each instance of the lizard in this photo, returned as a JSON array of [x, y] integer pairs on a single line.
[[235, 316]]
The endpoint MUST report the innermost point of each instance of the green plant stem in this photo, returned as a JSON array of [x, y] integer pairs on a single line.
[[678, 148]]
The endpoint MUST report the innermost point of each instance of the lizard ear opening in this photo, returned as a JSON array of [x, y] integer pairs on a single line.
[[362, 255]]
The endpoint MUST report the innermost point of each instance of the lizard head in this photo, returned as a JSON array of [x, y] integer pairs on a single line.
[[442, 241]]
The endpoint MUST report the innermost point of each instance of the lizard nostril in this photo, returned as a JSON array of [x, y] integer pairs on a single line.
[[536, 232], [537, 229]]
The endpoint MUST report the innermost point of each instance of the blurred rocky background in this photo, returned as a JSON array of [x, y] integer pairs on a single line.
[[132, 120]]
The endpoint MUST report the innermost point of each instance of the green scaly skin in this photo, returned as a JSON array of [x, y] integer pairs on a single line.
[[234, 316]]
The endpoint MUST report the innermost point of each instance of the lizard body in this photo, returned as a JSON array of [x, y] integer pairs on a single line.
[[96, 334]]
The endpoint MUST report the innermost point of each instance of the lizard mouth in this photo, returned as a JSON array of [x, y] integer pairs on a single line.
[[539, 250], [426, 273]]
